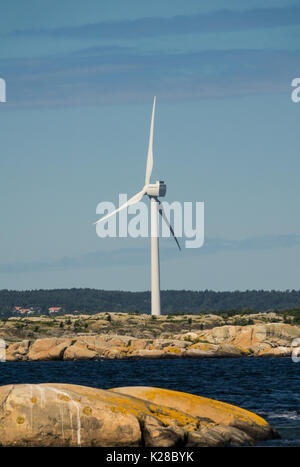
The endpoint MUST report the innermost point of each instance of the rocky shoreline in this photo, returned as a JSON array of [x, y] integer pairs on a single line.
[[71, 415], [258, 340]]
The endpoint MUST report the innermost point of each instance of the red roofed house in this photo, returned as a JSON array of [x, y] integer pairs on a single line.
[[24, 310], [54, 309]]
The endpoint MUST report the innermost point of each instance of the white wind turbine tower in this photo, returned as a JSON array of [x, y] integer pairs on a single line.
[[153, 191]]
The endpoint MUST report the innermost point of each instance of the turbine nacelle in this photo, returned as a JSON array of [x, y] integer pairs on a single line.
[[156, 189]]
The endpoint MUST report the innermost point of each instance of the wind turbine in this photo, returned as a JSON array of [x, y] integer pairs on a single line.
[[153, 191]]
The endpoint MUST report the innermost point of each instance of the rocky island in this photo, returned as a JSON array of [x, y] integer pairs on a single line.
[[117, 335]]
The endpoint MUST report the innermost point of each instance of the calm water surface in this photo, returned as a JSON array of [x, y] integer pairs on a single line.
[[268, 387]]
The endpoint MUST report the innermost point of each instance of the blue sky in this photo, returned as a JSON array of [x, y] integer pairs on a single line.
[[80, 82]]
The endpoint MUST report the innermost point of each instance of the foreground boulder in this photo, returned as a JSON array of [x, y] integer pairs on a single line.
[[220, 413], [71, 415]]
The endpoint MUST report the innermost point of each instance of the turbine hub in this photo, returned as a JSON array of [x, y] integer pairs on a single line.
[[156, 189]]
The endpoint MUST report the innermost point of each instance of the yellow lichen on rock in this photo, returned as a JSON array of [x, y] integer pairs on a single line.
[[197, 406], [71, 415]]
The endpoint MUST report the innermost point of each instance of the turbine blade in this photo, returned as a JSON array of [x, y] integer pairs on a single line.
[[149, 166], [163, 215], [135, 199]]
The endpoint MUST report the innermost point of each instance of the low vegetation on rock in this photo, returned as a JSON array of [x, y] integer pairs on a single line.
[[138, 336]]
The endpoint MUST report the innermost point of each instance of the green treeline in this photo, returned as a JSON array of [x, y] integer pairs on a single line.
[[90, 301]]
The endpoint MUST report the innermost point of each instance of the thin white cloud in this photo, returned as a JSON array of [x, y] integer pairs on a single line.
[[136, 256], [215, 21], [114, 75]]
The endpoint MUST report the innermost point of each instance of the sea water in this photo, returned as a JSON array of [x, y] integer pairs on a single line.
[[266, 386]]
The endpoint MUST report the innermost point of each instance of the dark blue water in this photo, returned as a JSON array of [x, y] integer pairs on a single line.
[[268, 387]]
